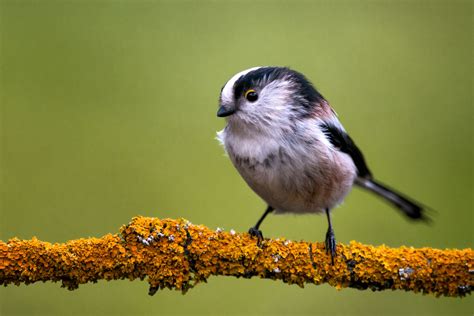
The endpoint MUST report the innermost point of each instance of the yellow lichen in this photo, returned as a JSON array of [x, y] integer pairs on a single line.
[[175, 254]]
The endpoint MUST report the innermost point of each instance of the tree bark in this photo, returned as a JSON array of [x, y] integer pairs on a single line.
[[176, 254]]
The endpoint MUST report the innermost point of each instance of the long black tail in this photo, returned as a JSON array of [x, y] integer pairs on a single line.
[[409, 207]]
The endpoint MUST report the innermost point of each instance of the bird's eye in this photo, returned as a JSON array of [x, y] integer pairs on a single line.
[[251, 95]]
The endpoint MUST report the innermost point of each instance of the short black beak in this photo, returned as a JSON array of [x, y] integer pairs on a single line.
[[223, 111]]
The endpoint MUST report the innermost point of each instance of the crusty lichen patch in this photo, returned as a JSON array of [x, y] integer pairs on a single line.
[[176, 254]]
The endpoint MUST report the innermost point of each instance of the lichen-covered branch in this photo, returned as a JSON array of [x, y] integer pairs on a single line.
[[176, 254]]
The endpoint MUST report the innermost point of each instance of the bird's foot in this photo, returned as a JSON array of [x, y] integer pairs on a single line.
[[255, 232], [331, 244], [311, 256]]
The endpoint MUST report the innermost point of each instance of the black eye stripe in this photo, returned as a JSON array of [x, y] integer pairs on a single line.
[[262, 76], [238, 87]]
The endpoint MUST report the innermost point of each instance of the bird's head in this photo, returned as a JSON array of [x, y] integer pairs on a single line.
[[267, 96]]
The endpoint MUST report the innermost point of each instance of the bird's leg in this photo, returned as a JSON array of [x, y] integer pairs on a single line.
[[254, 231], [330, 238]]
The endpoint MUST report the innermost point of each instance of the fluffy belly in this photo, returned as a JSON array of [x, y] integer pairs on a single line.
[[301, 186]]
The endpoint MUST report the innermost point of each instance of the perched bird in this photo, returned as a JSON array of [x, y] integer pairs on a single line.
[[289, 146]]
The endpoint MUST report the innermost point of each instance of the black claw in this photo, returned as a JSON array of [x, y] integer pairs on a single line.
[[255, 232], [331, 244], [311, 256]]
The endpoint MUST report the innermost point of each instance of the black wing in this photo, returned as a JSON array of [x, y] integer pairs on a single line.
[[344, 143]]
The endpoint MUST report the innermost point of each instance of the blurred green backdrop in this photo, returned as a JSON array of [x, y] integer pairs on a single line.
[[108, 111]]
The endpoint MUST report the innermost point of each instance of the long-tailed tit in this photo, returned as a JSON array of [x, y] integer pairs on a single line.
[[289, 146]]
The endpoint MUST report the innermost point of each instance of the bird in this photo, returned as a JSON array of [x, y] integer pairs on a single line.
[[289, 146]]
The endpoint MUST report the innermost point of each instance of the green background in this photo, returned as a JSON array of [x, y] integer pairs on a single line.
[[108, 111]]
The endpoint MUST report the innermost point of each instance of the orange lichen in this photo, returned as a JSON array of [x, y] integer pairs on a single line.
[[175, 254]]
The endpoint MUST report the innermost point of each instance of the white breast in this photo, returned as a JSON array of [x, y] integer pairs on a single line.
[[290, 174]]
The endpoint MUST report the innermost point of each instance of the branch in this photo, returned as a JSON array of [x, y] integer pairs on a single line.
[[177, 255]]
